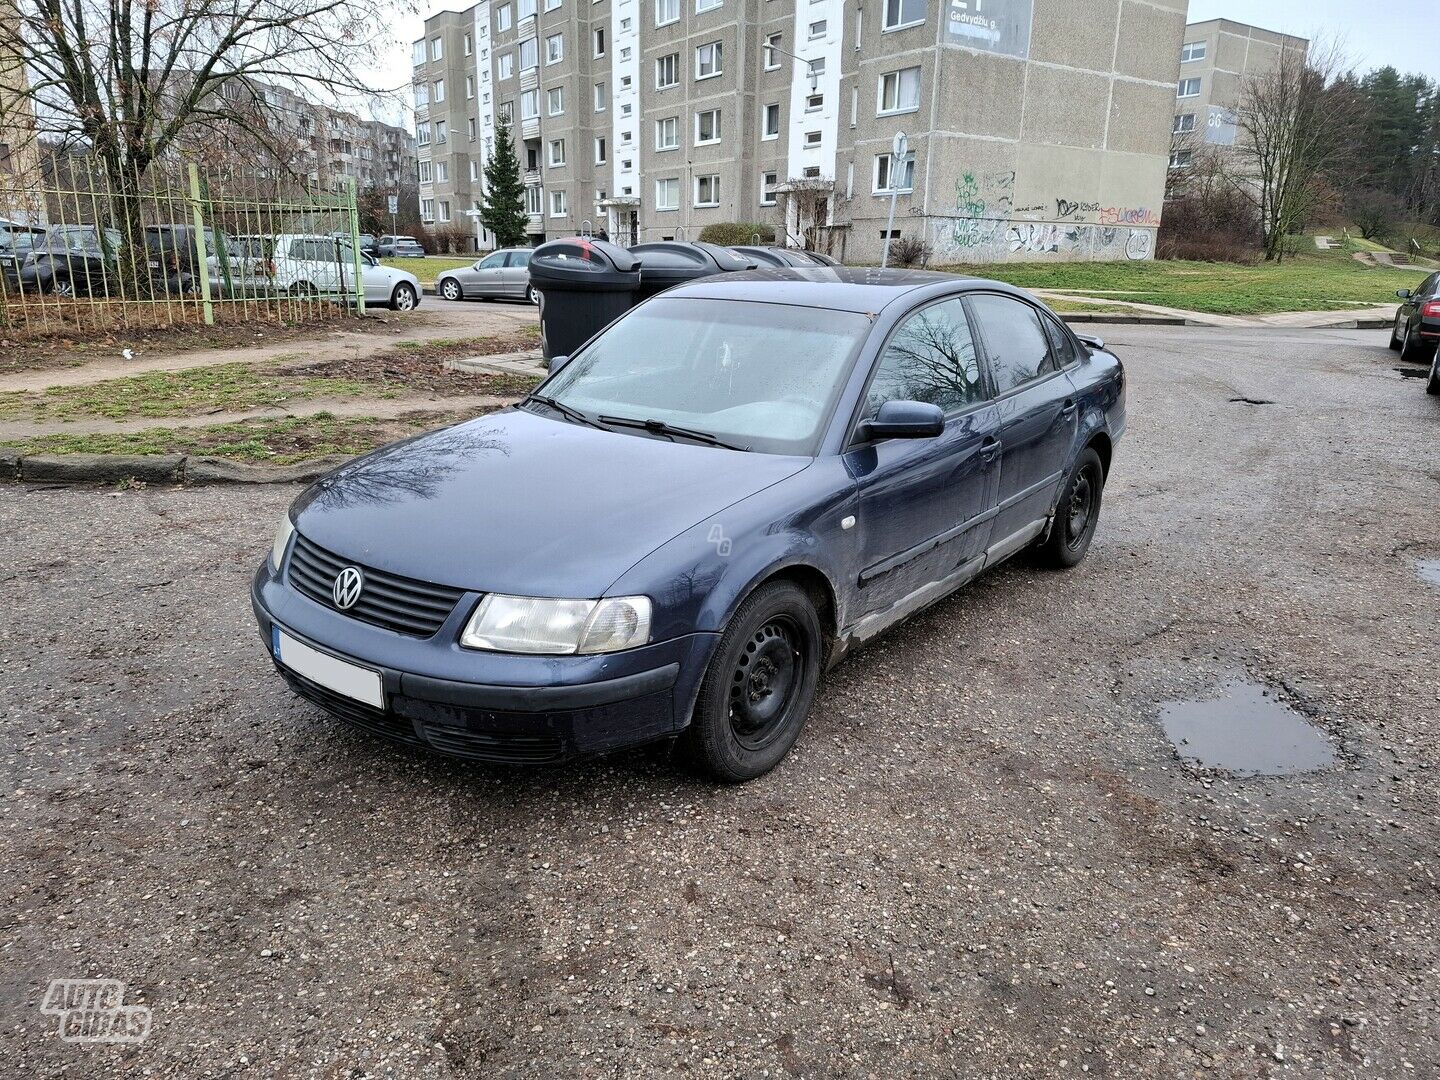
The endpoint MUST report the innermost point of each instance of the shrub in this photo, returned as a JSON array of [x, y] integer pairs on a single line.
[[1211, 225], [909, 251], [727, 233]]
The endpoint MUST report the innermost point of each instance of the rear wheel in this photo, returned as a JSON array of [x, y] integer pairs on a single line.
[[1433, 386], [303, 289], [64, 287], [403, 298], [1076, 514], [1395, 333], [450, 289], [1412, 348], [530, 297], [760, 685]]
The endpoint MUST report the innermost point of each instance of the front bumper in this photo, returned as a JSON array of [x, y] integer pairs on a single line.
[[490, 706]]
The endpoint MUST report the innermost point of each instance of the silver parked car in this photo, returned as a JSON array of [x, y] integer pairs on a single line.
[[501, 274]]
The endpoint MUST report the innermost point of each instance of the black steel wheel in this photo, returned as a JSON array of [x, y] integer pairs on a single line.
[[758, 689], [1433, 386], [1077, 512]]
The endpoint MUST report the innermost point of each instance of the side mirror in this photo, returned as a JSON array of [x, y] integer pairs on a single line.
[[906, 420], [1403, 294], [557, 362]]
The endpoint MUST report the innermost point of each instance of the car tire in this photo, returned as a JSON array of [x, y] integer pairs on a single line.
[[304, 289], [1395, 333], [404, 297], [64, 288], [530, 296], [450, 289], [1433, 386], [1077, 512], [1411, 347], [759, 687]]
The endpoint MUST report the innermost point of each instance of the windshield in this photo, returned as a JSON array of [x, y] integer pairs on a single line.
[[760, 375]]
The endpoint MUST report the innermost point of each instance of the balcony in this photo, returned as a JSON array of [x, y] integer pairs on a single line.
[[530, 129], [532, 177], [529, 79], [535, 223]]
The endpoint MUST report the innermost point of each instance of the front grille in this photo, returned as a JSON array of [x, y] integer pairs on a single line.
[[404, 605], [365, 717], [495, 746]]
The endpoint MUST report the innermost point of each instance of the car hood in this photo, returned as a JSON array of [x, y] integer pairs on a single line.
[[387, 275], [521, 503]]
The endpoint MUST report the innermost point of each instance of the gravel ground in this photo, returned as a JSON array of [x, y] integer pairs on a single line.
[[983, 858]]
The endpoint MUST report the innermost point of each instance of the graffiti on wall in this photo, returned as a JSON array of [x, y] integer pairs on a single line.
[[1126, 215]]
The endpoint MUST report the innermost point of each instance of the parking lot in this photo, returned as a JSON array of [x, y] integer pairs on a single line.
[[984, 858]]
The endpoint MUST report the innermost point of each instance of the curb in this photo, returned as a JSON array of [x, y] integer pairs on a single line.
[[157, 469], [1133, 320]]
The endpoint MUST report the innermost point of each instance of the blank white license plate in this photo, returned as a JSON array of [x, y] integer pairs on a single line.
[[331, 672]]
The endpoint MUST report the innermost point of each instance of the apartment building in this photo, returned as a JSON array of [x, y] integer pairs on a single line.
[[19, 152], [1215, 58], [1035, 128]]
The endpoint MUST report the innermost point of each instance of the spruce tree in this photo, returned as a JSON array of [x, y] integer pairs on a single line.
[[503, 210]]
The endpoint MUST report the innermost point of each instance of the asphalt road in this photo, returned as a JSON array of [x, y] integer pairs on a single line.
[[983, 858]]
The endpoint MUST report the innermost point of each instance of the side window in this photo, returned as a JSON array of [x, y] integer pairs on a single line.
[[519, 258], [1016, 343], [297, 249], [1429, 285], [1061, 347], [493, 262], [930, 357]]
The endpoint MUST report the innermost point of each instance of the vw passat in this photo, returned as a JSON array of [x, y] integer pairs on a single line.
[[692, 517]]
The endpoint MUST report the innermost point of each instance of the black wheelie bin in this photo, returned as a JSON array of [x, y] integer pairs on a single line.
[[584, 285], [669, 262]]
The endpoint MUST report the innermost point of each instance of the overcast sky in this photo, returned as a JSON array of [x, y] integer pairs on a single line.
[[1402, 33]]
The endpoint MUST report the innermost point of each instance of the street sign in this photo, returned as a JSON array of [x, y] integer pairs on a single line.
[[394, 201], [899, 145]]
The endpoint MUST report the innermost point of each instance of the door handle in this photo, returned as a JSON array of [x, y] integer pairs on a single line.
[[1069, 408], [989, 448]]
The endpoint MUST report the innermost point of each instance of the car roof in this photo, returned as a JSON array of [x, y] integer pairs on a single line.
[[838, 288]]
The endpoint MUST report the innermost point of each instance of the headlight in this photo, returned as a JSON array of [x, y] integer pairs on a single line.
[[523, 624], [282, 541]]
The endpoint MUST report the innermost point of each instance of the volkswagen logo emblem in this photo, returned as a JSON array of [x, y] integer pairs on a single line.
[[348, 584]]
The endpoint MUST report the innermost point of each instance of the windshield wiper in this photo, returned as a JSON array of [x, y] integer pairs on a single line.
[[660, 427], [573, 415]]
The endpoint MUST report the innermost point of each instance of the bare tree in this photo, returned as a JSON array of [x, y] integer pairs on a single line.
[[126, 80], [1295, 123]]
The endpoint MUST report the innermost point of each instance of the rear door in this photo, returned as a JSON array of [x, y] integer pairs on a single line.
[[923, 505], [517, 273], [1037, 415]]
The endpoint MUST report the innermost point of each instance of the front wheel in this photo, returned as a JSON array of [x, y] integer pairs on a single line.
[[1412, 348], [403, 298], [759, 687], [530, 296], [450, 289], [1076, 514], [1395, 334]]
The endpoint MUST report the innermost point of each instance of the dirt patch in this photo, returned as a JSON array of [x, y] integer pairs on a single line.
[[420, 365]]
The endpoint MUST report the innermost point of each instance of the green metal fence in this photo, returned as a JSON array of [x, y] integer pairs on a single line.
[[84, 249]]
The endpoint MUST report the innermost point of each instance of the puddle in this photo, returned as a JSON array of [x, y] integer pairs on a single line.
[[1429, 569], [1413, 373], [1245, 731]]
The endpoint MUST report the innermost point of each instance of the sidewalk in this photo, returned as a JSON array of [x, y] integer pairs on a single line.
[[1377, 316]]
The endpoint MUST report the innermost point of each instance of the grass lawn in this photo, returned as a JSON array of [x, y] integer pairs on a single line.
[[425, 269], [1329, 281]]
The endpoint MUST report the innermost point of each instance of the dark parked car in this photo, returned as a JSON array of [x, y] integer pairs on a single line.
[[81, 260], [1416, 333], [368, 244], [716, 497], [16, 241]]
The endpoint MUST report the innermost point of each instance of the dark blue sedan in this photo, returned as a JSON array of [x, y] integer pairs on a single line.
[[715, 499]]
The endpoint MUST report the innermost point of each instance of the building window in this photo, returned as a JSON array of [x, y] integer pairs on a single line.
[[667, 71], [469, 87], [1184, 123], [1192, 50], [442, 172], [506, 63], [902, 13], [771, 126], [441, 131], [524, 9], [417, 53], [599, 41], [666, 12], [707, 5], [470, 129], [532, 199], [427, 209], [707, 190], [422, 134], [817, 66], [422, 96], [444, 205], [600, 157], [812, 139], [817, 29], [1180, 159], [625, 138], [439, 95], [772, 57], [474, 171], [502, 18], [555, 101], [553, 5], [554, 48], [426, 173], [557, 204], [667, 194], [601, 98], [466, 45], [667, 133], [815, 102], [899, 92], [437, 49], [506, 112], [529, 105], [767, 188], [1188, 88], [557, 153], [902, 178], [707, 127], [708, 60], [529, 55]]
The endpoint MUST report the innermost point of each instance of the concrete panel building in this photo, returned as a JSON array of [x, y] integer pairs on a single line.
[[1036, 128], [1215, 58]]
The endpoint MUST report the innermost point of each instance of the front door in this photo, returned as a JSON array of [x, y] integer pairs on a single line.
[[487, 277], [1038, 415], [923, 505]]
